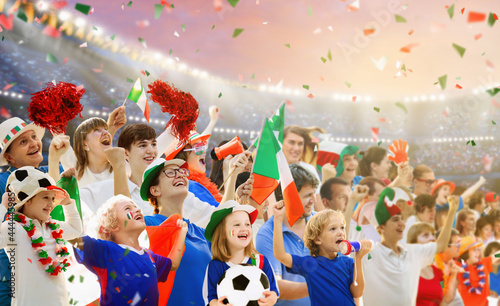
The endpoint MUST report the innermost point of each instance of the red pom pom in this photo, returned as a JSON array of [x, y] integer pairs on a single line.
[[182, 106], [54, 106]]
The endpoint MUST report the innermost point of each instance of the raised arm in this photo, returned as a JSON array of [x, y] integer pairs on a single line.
[[58, 146], [176, 253], [278, 244], [404, 177], [235, 165], [470, 191], [116, 120], [213, 111], [116, 157], [359, 192], [444, 237], [358, 284]]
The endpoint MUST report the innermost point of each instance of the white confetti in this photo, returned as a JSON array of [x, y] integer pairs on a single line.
[[317, 31], [487, 210], [330, 28], [84, 45], [176, 34]]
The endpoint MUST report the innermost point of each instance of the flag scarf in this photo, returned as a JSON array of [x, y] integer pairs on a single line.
[[333, 153], [269, 166], [138, 95], [161, 241]]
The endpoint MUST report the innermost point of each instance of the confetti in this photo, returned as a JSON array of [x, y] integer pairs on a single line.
[[130, 80], [114, 101], [411, 32], [442, 81], [348, 84], [220, 94], [129, 4], [170, 52], [476, 17], [329, 55], [253, 76], [368, 31], [492, 18], [233, 2], [460, 49], [497, 255], [493, 122], [487, 209], [143, 42], [402, 106], [112, 273], [492, 92], [71, 278], [125, 253], [380, 63], [287, 45], [354, 98], [30, 260], [84, 45], [147, 73], [310, 96], [81, 279], [323, 60], [442, 284], [310, 11], [82, 8], [176, 34], [113, 37], [376, 109], [305, 87], [458, 86], [21, 15], [379, 143], [451, 11], [51, 58], [94, 28], [462, 10], [237, 32], [117, 289], [172, 5], [158, 10], [369, 256], [400, 18], [213, 26], [183, 26]]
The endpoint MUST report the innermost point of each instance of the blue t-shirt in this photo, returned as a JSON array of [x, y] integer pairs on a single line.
[[188, 284], [126, 276], [293, 245], [202, 193], [495, 282], [447, 206], [216, 268], [328, 280]]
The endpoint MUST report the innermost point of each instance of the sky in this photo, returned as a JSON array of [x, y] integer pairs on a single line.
[[321, 43]]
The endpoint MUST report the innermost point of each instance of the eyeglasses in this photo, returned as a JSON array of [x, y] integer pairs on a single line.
[[428, 182], [173, 172], [198, 148], [458, 244]]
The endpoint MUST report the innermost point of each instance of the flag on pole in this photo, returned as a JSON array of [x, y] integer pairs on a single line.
[[270, 165], [138, 95], [277, 122]]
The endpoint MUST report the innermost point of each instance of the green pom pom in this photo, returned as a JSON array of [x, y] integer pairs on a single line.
[[358, 228]]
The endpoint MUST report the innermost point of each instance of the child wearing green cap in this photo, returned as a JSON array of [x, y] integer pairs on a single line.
[[230, 231]]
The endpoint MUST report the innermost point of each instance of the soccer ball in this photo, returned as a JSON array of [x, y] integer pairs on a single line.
[[243, 285]]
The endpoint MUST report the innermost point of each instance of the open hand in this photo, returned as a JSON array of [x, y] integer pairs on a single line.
[[117, 119], [398, 151]]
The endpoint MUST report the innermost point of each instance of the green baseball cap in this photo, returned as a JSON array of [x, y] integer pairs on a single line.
[[225, 209], [152, 171]]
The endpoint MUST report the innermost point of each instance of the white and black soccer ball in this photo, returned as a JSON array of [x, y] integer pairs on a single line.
[[243, 285]]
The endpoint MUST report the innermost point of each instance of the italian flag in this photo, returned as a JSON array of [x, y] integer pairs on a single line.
[[277, 123], [138, 95], [270, 165], [329, 153]]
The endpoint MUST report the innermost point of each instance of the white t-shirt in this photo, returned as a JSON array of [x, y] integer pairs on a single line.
[[391, 279], [68, 160]]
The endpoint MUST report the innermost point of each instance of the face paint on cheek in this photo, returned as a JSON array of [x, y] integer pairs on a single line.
[[232, 233], [130, 215]]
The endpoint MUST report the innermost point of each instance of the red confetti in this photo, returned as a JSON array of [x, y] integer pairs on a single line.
[[354, 98], [51, 31], [117, 289], [240, 77], [97, 70], [369, 31], [142, 71], [65, 60], [495, 16], [4, 113], [462, 10], [7, 87], [477, 36], [7, 24], [55, 106], [476, 17], [407, 48], [458, 86], [411, 32], [311, 96], [30, 260], [382, 119], [59, 4], [182, 106]]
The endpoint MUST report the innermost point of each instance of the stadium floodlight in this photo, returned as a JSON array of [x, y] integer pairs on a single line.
[[407, 99], [296, 92], [204, 74], [415, 99], [423, 97], [42, 6], [195, 72], [262, 87], [288, 91], [433, 98], [91, 111], [441, 97], [104, 113], [182, 67], [64, 15], [80, 22], [137, 119], [368, 98], [96, 112]]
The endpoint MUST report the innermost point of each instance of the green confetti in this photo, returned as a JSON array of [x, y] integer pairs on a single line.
[[81, 279], [323, 60], [3, 37], [197, 50], [491, 19], [21, 15], [442, 284], [237, 32], [458, 78], [158, 10], [113, 37], [369, 256], [483, 53], [305, 87], [233, 2], [329, 55], [402, 106], [94, 28], [112, 273], [358, 228], [172, 5], [71, 278], [377, 109], [244, 86], [220, 94], [127, 250], [147, 72], [213, 26], [130, 80], [71, 301], [253, 76], [129, 4], [492, 92], [451, 11], [82, 8], [494, 123], [467, 142], [435, 83], [114, 101], [403, 67], [310, 11], [142, 41], [442, 81], [348, 84], [379, 143], [400, 18], [51, 58], [170, 52], [287, 45], [183, 26], [460, 49], [473, 143]]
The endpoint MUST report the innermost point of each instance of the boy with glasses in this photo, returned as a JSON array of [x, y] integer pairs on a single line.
[[423, 180]]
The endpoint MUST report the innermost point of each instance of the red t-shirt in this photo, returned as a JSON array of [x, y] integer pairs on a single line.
[[430, 292], [472, 298]]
